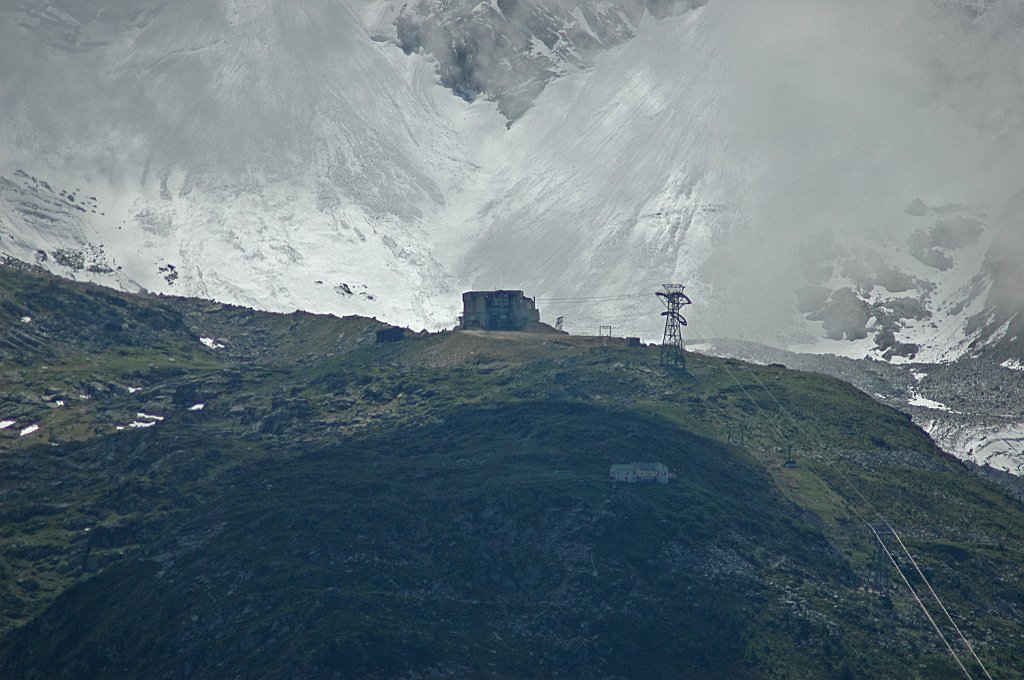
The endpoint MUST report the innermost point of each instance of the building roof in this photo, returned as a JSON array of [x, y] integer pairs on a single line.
[[645, 467], [494, 292]]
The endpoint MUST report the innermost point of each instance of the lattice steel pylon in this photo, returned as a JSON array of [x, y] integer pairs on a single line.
[[672, 342], [878, 580]]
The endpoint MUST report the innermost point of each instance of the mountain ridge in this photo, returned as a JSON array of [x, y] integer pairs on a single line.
[[285, 493]]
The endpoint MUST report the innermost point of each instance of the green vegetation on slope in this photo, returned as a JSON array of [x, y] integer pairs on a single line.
[[440, 507]]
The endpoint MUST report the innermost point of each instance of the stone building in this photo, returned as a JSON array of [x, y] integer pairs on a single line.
[[498, 310], [639, 472]]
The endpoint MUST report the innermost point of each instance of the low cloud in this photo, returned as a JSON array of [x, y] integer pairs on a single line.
[[854, 118]]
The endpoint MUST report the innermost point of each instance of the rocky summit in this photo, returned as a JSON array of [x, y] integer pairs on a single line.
[[196, 490]]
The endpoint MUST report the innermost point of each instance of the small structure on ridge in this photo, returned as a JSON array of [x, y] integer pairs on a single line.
[[390, 334]]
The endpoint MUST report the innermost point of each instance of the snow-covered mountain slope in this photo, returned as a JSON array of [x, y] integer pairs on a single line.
[[263, 152], [780, 150], [1000, 446], [972, 409], [838, 177]]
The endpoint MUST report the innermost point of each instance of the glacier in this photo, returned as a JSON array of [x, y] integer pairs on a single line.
[[260, 153]]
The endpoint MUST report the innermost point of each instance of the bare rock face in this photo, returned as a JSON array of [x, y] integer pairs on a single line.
[[508, 50], [930, 246], [845, 315]]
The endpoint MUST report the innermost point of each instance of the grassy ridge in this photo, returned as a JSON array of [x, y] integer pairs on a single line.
[[439, 506]]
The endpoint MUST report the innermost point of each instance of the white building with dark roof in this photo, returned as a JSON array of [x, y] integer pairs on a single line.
[[632, 473]]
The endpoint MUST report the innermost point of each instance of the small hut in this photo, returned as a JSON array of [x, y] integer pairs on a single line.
[[390, 334]]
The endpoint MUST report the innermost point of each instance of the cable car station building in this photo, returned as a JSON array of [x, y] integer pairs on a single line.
[[498, 310]]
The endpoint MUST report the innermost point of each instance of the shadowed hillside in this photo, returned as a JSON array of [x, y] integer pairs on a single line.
[[439, 507]]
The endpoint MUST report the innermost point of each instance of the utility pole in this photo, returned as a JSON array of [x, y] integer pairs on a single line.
[[672, 342]]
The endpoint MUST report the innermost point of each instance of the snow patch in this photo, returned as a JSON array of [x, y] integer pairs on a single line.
[[133, 390], [919, 376], [211, 343], [4, 424], [26, 319], [999, 445], [918, 400], [197, 407], [29, 430], [143, 420], [1013, 365]]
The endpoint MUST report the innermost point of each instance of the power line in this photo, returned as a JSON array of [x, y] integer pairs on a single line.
[[867, 502], [875, 510], [944, 610], [760, 409], [598, 298], [919, 602], [901, 543], [623, 317], [856, 514]]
